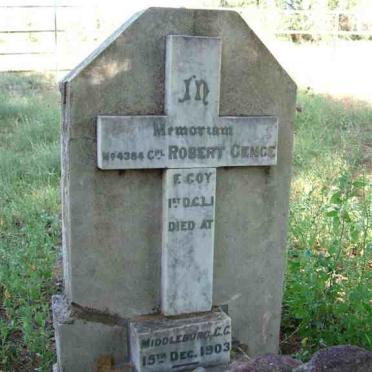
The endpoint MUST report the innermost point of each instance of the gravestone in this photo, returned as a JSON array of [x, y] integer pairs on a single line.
[[176, 150]]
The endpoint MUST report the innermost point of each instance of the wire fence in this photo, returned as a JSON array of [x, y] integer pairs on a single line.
[[52, 35]]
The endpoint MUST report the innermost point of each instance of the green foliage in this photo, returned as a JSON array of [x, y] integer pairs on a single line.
[[327, 299], [29, 220]]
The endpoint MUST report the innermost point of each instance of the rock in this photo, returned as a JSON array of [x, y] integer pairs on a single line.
[[274, 363], [342, 358], [264, 363]]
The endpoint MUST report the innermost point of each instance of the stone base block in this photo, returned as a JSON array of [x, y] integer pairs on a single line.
[[85, 345], [182, 343]]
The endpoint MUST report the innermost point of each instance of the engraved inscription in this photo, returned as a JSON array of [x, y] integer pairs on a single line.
[[201, 90], [175, 152], [188, 220], [185, 358], [208, 335], [183, 344], [161, 130], [155, 144]]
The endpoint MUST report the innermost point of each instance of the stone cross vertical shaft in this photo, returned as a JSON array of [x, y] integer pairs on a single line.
[[192, 139], [191, 102]]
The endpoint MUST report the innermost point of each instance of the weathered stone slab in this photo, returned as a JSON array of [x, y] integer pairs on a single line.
[[188, 240], [85, 345], [112, 219], [164, 344]]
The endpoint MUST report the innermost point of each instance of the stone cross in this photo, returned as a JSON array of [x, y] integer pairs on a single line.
[[192, 139]]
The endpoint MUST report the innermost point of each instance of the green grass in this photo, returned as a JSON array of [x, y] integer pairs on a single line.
[[29, 220], [326, 299]]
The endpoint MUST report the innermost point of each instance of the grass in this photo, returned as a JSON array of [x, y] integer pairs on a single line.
[[29, 220], [327, 300]]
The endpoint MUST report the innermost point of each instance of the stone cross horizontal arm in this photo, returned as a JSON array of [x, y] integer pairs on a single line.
[[191, 134]]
